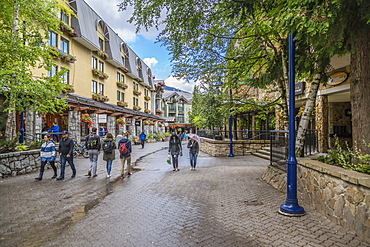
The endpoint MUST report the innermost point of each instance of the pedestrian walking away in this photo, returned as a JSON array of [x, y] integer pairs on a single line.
[[142, 139], [92, 144], [66, 145], [47, 154], [109, 151], [175, 150], [193, 153], [125, 149]]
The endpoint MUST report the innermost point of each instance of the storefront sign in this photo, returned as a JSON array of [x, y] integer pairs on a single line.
[[129, 121], [337, 78], [137, 123], [300, 87]]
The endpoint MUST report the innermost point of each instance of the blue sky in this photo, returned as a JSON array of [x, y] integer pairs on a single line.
[[143, 44]]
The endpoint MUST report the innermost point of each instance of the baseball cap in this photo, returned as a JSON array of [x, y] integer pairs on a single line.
[[64, 132]]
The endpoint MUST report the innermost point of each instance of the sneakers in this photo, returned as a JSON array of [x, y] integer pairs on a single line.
[[129, 174], [191, 168], [108, 176], [60, 178], [88, 174], [54, 176], [95, 176], [73, 176], [122, 176]]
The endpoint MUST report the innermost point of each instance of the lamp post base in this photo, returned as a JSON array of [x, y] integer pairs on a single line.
[[291, 210], [231, 155]]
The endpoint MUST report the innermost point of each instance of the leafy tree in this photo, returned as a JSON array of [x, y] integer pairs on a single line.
[[24, 29]]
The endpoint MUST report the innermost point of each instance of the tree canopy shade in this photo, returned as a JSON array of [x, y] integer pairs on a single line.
[[235, 41], [25, 26]]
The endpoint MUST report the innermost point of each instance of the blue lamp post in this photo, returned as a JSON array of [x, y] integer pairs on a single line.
[[231, 126], [291, 206]]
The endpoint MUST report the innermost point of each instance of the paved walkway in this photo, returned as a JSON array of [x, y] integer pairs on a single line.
[[159, 207]]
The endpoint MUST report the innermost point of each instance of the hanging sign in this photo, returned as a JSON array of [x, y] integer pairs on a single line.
[[300, 87], [337, 78]]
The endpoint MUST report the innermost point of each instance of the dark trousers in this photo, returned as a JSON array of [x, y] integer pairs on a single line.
[[42, 168], [142, 143], [175, 160], [63, 160]]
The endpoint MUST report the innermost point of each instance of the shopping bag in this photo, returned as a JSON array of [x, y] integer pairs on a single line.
[[168, 159]]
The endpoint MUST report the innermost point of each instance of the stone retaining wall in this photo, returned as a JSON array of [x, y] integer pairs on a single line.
[[341, 195], [240, 148], [16, 163]]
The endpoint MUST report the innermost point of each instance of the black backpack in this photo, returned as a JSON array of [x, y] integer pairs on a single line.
[[92, 142], [108, 147]]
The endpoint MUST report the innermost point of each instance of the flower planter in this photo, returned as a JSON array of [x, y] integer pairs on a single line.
[[136, 92]]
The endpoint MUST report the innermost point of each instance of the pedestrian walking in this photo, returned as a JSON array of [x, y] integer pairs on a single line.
[[125, 149], [109, 151], [142, 139], [66, 145], [93, 147], [193, 153], [47, 154], [175, 150], [55, 129]]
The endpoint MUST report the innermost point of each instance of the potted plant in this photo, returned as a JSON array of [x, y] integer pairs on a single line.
[[122, 85], [136, 108], [66, 28], [146, 97], [146, 122], [69, 88], [120, 121], [136, 92], [85, 118], [103, 54], [147, 111], [121, 103]]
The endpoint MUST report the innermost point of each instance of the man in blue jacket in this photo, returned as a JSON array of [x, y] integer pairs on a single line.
[[142, 139], [55, 129], [125, 154]]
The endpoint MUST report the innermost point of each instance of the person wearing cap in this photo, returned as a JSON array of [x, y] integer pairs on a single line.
[[47, 154], [66, 154]]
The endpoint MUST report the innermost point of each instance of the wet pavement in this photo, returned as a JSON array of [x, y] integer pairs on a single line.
[[158, 207]]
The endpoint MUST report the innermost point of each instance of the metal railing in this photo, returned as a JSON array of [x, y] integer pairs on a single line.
[[245, 135]]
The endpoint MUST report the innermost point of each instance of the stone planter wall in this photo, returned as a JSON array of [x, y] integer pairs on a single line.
[[17, 163], [222, 148], [342, 196]]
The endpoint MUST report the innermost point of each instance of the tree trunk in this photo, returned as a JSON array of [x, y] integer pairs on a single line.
[[305, 119], [360, 87], [11, 126]]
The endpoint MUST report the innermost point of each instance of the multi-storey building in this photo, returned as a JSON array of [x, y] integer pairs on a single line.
[[110, 86]]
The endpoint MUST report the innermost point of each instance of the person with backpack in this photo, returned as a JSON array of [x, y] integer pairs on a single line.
[[142, 139], [93, 147], [109, 147], [66, 154], [125, 149]]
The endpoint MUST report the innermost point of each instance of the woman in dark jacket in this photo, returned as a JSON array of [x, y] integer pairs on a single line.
[[193, 153], [175, 150], [111, 154]]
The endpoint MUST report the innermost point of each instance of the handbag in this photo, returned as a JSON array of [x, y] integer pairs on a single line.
[[168, 159]]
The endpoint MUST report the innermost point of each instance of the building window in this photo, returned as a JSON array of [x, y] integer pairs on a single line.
[[146, 92], [136, 86], [64, 44], [120, 96], [52, 39], [101, 66], [101, 44], [146, 105], [181, 107], [94, 87], [135, 101], [52, 71], [118, 76], [101, 88], [64, 17], [94, 63], [180, 118], [65, 77]]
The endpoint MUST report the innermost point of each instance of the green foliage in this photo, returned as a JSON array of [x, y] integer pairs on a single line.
[[36, 144], [348, 159], [21, 147], [23, 48], [8, 145]]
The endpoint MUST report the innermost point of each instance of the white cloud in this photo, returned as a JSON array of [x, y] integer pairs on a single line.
[[180, 84], [150, 61]]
